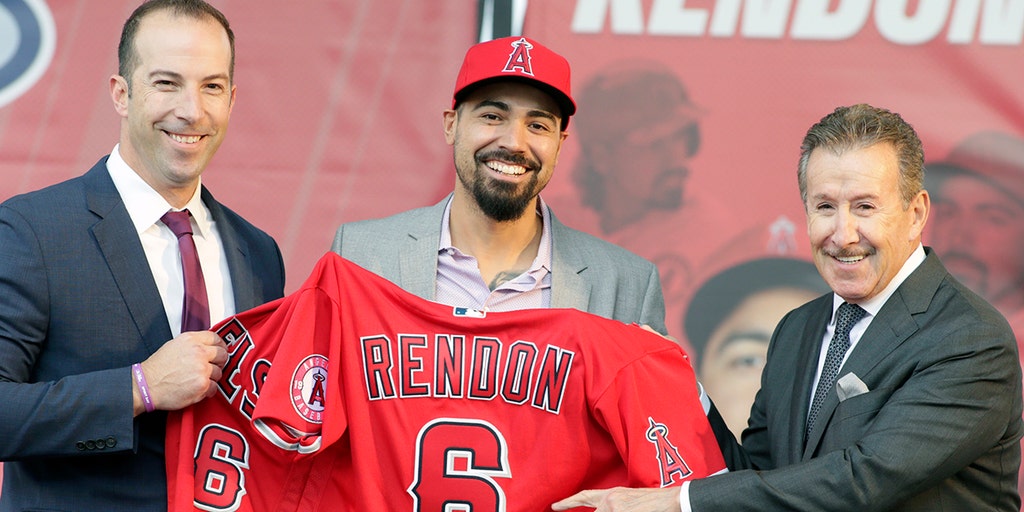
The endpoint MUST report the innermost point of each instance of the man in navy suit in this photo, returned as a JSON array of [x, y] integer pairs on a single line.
[[924, 412], [91, 280]]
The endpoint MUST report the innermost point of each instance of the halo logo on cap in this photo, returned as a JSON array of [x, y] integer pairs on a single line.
[[27, 42], [519, 59]]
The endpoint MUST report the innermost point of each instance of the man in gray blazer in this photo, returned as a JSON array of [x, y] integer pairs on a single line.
[[91, 284], [924, 412], [492, 244]]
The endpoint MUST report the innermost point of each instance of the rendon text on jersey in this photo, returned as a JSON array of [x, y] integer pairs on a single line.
[[422, 369]]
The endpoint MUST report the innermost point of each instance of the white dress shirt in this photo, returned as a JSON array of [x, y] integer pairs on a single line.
[[145, 207]]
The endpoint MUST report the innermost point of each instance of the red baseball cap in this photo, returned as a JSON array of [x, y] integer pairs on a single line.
[[517, 58]]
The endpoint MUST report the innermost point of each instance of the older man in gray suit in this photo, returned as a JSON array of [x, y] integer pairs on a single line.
[[909, 403]]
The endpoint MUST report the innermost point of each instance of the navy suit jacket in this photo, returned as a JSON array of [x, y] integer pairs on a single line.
[[79, 306], [936, 426]]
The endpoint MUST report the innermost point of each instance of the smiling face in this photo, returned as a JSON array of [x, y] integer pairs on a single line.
[[506, 140], [175, 110], [860, 230]]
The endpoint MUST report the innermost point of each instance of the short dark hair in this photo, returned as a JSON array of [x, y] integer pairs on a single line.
[[128, 58]]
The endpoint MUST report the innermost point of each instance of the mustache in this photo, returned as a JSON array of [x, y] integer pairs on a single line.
[[849, 252], [509, 157]]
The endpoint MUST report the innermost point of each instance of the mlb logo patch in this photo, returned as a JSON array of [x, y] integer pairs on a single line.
[[469, 312]]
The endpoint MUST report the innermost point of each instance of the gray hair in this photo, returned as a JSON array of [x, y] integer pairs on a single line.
[[861, 126]]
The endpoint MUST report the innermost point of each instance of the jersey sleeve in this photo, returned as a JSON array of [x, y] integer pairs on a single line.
[[652, 410], [300, 404]]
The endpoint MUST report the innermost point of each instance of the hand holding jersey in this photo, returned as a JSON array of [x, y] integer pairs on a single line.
[[183, 371]]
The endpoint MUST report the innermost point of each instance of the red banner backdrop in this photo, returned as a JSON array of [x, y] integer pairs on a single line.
[[684, 149]]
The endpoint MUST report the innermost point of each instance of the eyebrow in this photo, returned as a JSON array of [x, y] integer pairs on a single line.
[[179, 77], [830, 197], [504, 107]]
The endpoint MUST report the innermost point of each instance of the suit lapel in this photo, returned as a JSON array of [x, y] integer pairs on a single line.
[[569, 288], [236, 251], [810, 353], [895, 321], [116, 238], [421, 245]]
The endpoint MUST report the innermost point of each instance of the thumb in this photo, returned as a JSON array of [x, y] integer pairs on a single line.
[[580, 499]]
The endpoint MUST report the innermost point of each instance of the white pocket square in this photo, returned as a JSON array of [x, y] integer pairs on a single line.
[[849, 386]]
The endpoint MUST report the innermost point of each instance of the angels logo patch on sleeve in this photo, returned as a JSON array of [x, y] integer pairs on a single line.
[[309, 388], [673, 467]]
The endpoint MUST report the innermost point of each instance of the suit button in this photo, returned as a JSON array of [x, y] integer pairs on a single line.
[[90, 445], [80, 445], [111, 442]]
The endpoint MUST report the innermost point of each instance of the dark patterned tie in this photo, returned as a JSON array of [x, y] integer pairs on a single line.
[[847, 315], [195, 309]]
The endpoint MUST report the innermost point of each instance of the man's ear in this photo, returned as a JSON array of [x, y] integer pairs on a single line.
[[919, 207], [119, 94], [451, 118]]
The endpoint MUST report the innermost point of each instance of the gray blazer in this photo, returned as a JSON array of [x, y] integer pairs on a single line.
[[938, 428], [79, 306], [588, 273]]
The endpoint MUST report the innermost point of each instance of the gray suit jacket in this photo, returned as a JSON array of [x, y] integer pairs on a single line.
[[588, 273], [939, 428], [79, 306]]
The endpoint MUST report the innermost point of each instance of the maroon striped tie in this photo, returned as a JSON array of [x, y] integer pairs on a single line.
[[195, 309]]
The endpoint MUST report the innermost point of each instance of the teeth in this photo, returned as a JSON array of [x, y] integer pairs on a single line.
[[504, 168], [186, 139], [853, 259]]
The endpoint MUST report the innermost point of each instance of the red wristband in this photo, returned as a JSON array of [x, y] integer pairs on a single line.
[[140, 379]]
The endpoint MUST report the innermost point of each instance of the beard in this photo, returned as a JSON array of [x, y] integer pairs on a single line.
[[499, 200]]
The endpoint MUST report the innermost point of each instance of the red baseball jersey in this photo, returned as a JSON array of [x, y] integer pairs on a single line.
[[352, 394]]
